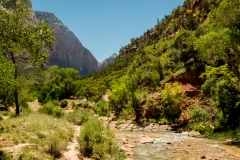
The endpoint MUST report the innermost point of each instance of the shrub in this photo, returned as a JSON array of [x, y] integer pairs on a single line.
[[173, 100], [63, 103], [4, 155], [199, 120], [73, 103], [85, 105], [98, 141], [56, 102], [47, 108], [101, 108], [198, 114], [50, 109], [78, 116], [55, 145]]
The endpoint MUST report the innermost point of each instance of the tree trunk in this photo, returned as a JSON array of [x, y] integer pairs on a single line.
[[16, 90], [16, 101]]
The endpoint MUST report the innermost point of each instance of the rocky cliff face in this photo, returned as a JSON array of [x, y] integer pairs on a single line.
[[107, 61], [67, 49]]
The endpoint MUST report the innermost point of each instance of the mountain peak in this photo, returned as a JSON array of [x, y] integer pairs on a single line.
[[68, 52], [107, 61]]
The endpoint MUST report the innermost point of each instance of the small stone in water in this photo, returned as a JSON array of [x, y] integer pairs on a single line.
[[203, 157]]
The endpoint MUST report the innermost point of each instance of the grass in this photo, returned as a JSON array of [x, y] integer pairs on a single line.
[[98, 141], [227, 133], [79, 116], [44, 134]]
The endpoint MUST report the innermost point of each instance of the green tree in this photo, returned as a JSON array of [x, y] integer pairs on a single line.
[[224, 93], [118, 96], [173, 100], [125, 91], [58, 84], [22, 41], [133, 87], [7, 82], [219, 44]]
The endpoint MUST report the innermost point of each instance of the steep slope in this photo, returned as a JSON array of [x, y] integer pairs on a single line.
[[107, 61], [68, 52]]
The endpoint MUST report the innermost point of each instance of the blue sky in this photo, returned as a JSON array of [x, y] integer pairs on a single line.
[[104, 26]]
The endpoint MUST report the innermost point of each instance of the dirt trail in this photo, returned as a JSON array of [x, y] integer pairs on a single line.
[[34, 105], [16, 148], [72, 149]]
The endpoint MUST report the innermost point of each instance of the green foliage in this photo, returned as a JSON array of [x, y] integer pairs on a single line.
[[222, 89], [4, 156], [96, 140], [85, 105], [58, 83], [63, 103], [50, 109], [200, 120], [79, 116], [22, 42], [102, 108], [7, 82], [198, 114], [173, 100], [118, 97], [55, 146]]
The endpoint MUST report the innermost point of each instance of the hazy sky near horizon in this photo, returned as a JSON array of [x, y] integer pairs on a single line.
[[105, 26]]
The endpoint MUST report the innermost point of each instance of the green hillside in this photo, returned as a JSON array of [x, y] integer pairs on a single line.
[[183, 70]]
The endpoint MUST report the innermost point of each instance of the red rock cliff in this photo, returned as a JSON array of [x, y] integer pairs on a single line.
[[67, 49]]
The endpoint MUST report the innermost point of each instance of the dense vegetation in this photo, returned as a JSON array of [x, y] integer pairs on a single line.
[[197, 45], [25, 77]]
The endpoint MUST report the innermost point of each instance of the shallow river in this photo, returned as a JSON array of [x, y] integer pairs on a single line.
[[173, 146]]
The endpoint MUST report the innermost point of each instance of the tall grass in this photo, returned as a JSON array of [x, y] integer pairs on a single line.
[[98, 141], [35, 130]]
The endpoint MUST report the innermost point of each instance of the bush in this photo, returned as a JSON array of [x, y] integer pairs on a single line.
[[73, 103], [101, 108], [98, 141], [78, 116], [173, 100], [85, 105], [4, 155], [55, 146], [198, 114], [63, 103], [56, 102], [50, 109], [199, 120]]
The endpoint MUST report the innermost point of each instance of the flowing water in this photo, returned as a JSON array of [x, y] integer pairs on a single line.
[[174, 146]]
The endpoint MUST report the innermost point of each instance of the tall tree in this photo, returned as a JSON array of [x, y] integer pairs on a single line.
[[22, 41]]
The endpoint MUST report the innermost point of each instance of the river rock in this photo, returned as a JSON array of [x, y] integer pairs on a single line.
[[130, 153], [146, 140], [185, 133], [128, 129], [194, 134]]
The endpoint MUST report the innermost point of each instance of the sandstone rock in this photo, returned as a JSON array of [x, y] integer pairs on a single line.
[[185, 133], [130, 145], [68, 52], [146, 140], [194, 134], [128, 129]]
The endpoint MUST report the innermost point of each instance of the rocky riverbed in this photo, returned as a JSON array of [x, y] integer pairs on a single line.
[[156, 141]]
